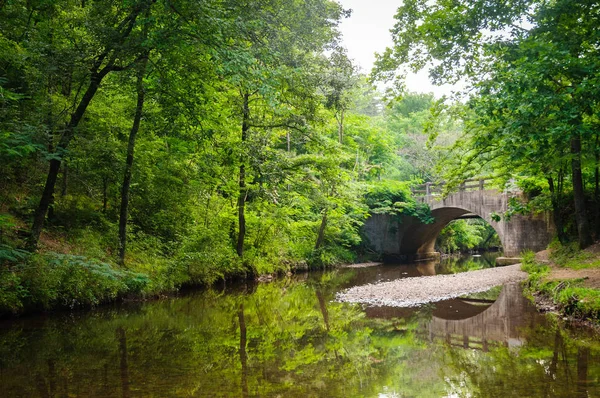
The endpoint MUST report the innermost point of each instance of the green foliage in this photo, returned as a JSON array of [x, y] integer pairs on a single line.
[[532, 267], [580, 302], [12, 292], [59, 280], [208, 257], [491, 294], [569, 256], [463, 235], [9, 254], [532, 110], [329, 256], [393, 197], [573, 299], [256, 127], [460, 235]]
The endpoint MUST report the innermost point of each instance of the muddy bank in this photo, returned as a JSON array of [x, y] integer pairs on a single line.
[[409, 292]]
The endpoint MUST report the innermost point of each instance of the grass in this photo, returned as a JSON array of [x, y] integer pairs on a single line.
[[572, 298], [569, 256]]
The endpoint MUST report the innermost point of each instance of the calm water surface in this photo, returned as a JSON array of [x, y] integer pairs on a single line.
[[290, 338]]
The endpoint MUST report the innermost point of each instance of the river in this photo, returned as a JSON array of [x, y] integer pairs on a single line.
[[290, 338]]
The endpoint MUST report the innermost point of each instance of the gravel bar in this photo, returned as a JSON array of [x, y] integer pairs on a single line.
[[410, 292]]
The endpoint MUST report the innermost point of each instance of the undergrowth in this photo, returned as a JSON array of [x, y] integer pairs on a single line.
[[78, 268], [569, 256], [572, 298], [53, 280]]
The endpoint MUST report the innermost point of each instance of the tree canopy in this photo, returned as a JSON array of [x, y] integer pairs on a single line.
[[532, 75]]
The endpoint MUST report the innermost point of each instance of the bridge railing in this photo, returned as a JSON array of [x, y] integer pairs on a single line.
[[432, 189]]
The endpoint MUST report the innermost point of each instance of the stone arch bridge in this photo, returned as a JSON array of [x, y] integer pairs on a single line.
[[408, 239]]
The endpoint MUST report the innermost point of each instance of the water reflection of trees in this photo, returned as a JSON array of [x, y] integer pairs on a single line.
[[463, 263], [551, 364], [279, 339]]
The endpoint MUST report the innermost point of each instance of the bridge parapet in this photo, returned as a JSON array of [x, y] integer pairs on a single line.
[[436, 188]]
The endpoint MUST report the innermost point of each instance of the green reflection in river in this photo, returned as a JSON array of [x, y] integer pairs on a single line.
[[464, 263], [289, 338]]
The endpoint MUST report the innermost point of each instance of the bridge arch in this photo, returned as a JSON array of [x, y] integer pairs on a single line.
[[421, 240]]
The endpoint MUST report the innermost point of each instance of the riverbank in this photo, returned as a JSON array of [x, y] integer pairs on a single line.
[[408, 292], [566, 281], [78, 270]]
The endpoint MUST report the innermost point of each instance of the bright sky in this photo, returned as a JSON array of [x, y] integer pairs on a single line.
[[367, 31]]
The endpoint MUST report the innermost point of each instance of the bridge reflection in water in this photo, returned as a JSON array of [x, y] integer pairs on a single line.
[[473, 323]]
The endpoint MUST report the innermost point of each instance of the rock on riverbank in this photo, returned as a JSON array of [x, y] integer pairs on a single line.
[[410, 292]]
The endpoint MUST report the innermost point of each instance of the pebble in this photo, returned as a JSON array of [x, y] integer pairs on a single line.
[[410, 292]]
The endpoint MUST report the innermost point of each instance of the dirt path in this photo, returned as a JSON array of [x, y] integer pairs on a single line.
[[591, 276], [409, 292]]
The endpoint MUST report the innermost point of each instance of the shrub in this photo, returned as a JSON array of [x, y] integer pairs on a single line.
[[61, 280], [328, 256], [12, 293]]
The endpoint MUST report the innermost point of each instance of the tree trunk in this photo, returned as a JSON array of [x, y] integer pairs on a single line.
[[597, 187], [583, 354], [124, 367], [52, 377], [46, 199], [321, 235], [243, 355], [323, 307], [557, 346], [242, 180], [556, 216], [129, 161], [583, 228]]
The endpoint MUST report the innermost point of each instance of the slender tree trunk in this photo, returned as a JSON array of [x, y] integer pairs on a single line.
[[51, 215], [243, 355], [583, 354], [597, 186], [242, 180], [51, 149], [41, 386], [321, 235], [48, 193], [556, 216], [557, 345], [323, 307], [583, 228], [124, 367], [129, 161]]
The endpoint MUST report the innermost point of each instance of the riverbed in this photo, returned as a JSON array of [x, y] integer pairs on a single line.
[[291, 338]]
